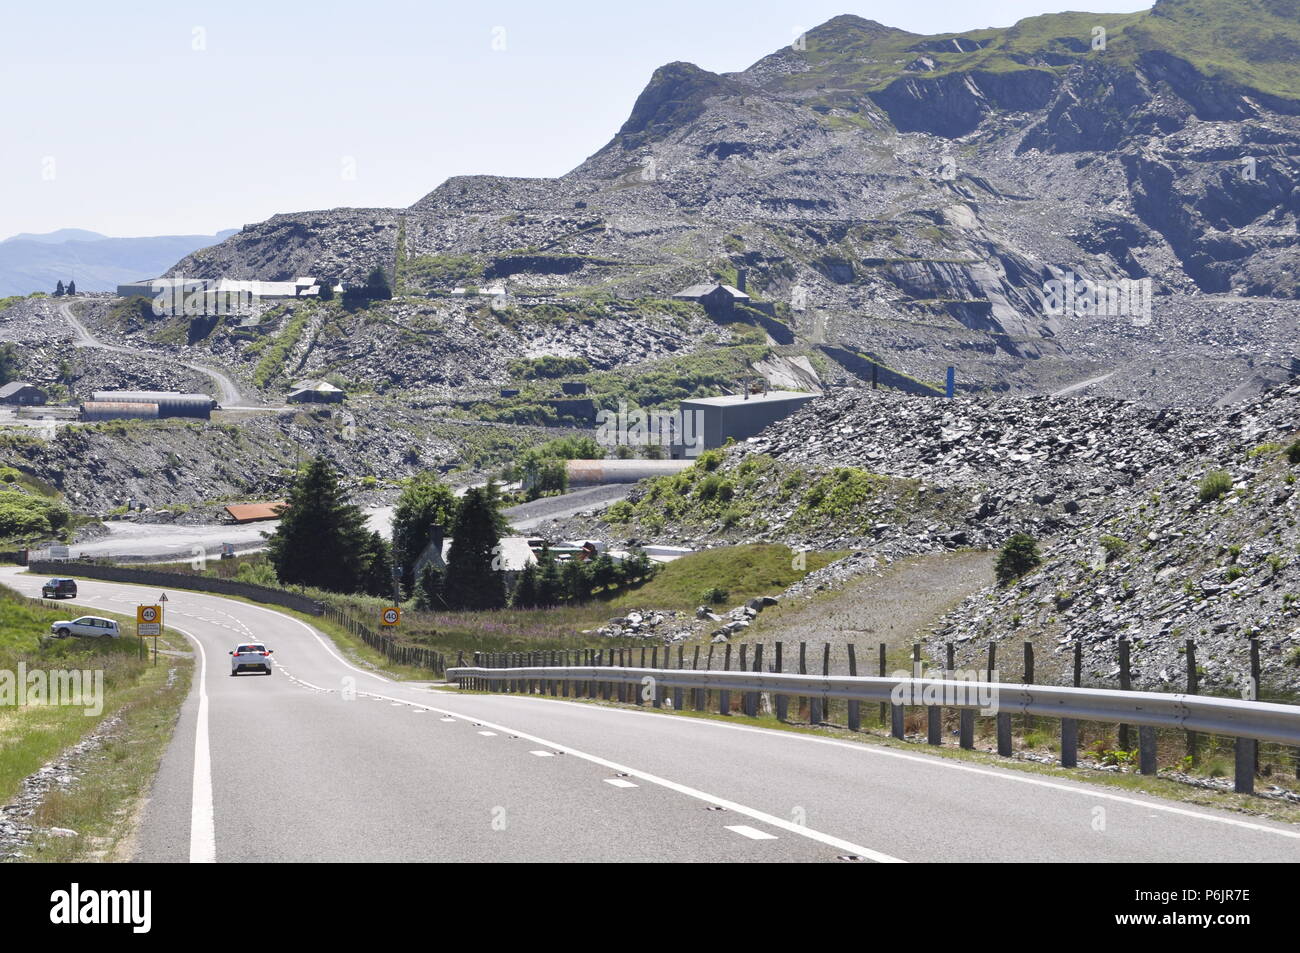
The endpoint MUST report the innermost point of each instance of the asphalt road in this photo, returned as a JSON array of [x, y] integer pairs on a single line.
[[158, 542], [227, 392], [323, 761]]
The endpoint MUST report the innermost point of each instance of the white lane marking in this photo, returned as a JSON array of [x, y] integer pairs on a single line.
[[446, 719], [488, 734], [203, 834], [1080, 787], [753, 833], [620, 782], [543, 754], [203, 837], [753, 814]]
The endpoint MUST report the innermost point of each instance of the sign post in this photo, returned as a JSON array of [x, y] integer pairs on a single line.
[[148, 624]]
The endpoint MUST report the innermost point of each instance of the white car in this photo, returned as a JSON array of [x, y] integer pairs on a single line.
[[250, 656], [87, 625]]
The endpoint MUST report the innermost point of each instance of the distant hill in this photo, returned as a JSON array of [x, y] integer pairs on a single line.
[[95, 262], [57, 237]]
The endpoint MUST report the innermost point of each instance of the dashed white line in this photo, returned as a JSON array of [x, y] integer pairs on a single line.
[[620, 782], [753, 833], [488, 734], [543, 754]]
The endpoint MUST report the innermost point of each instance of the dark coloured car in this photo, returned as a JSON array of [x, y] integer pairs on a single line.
[[59, 589]]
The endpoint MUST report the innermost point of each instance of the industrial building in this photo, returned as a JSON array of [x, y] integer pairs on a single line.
[[94, 411], [168, 403], [307, 287], [23, 394], [255, 512], [315, 392], [741, 416], [599, 472]]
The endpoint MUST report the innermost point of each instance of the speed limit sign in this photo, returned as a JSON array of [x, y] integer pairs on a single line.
[[391, 616], [148, 620]]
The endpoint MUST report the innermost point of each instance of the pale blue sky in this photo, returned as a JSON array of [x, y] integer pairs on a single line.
[[182, 117]]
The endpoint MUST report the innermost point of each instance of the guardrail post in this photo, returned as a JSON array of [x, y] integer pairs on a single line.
[[724, 703], [1069, 743], [636, 689], [883, 705], [1125, 685], [826, 671], [758, 667], [855, 710], [744, 667], [805, 705], [593, 660], [708, 695], [697, 694], [1193, 687], [1244, 775], [654, 663], [1029, 679], [1004, 733], [1069, 726], [782, 702], [1146, 749], [564, 682], [933, 713], [1255, 677], [896, 721], [677, 692]]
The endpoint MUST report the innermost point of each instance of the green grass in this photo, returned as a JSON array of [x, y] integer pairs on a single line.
[[271, 364], [32, 735], [746, 571], [1254, 43]]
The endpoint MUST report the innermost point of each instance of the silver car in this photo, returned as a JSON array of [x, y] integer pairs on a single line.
[[87, 625]]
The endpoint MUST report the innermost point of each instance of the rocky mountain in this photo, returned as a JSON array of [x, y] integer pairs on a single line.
[[908, 196]]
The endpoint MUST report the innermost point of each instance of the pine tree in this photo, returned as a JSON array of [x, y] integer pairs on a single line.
[[525, 594], [425, 503], [603, 572], [550, 586], [430, 594], [322, 539], [377, 578], [577, 581], [72, 287], [473, 582], [377, 286], [58, 289], [1018, 556]]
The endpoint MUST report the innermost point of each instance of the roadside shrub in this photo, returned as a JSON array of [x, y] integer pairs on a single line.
[[1214, 484], [1113, 546], [1293, 453], [1018, 556], [714, 595]]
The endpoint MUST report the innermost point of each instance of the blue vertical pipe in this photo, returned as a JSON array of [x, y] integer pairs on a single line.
[[952, 383]]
